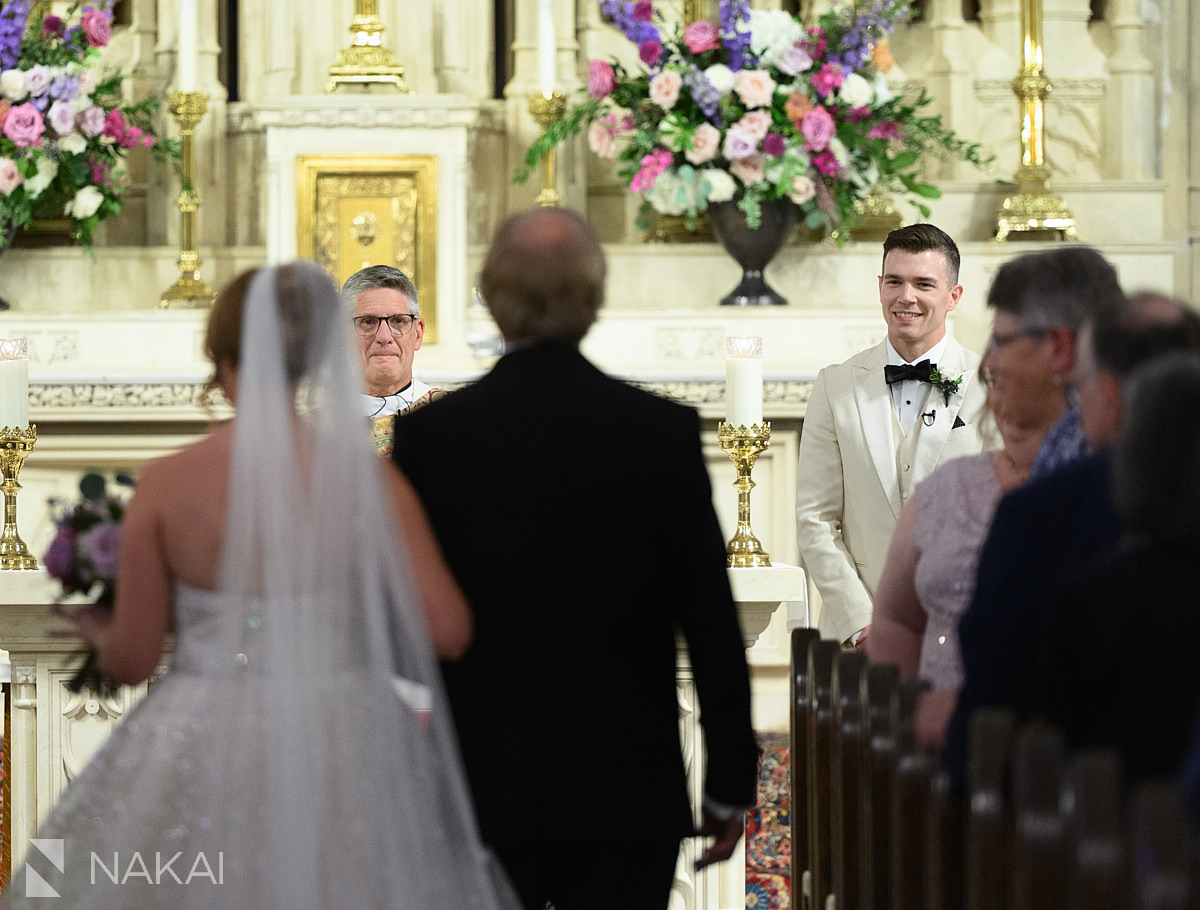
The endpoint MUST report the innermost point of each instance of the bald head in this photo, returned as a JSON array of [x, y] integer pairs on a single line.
[[544, 276]]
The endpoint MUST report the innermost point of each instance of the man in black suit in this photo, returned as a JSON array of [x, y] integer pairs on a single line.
[[1054, 526], [576, 513]]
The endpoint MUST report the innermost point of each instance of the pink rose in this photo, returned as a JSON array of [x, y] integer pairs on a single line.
[[24, 125], [828, 79], [601, 79], [10, 176], [739, 144], [756, 123], [818, 128], [61, 117], [803, 189], [774, 145], [748, 170], [643, 11], [794, 60], [601, 140], [664, 89], [91, 121], [132, 137], [706, 142], [97, 27], [755, 87], [649, 52], [702, 36]]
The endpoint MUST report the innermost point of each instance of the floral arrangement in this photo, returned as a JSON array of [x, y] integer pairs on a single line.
[[756, 107], [64, 128], [83, 554]]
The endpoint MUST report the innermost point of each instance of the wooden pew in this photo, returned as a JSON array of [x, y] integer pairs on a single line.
[[910, 800], [1160, 850], [1039, 833], [801, 639], [1096, 875], [821, 655], [880, 684], [990, 732], [848, 778]]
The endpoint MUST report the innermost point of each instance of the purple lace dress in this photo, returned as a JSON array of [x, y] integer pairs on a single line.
[[954, 507]]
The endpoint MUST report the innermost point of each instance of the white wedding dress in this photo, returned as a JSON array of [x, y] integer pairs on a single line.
[[275, 766]]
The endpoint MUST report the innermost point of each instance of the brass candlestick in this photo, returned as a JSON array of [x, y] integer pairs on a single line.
[[15, 444], [1033, 207], [366, 61], [743, 445], [188, 109], [547, 110]]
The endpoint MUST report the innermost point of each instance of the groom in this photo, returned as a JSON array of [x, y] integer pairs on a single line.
[[576, 512], [879, 423]]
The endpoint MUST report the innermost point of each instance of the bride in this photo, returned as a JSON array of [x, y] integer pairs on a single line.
[[300, 752]]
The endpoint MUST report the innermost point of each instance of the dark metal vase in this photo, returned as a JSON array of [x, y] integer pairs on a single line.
[[753, 248]]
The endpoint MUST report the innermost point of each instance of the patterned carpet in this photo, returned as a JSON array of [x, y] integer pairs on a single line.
[[768, 838]]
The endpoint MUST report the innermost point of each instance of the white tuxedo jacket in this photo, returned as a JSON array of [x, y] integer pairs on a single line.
[[848, 485]]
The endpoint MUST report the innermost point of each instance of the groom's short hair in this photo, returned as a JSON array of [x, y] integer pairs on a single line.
[[919, 238]]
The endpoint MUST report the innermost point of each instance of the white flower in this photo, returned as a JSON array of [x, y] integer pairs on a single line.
[[88, 80], [855, 91], [839, 151], [882, 93], [772, 34], [72, 144], [85, 204], [12, 85], [61, 117], [47, 170], [721, 77], [720, 185], [671, 195]]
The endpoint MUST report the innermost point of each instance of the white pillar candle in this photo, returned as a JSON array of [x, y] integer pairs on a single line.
[[546, 47], [14, 383], [187, 49], [743, 380]]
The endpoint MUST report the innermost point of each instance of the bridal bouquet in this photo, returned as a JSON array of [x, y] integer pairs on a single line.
[[83, 554], [757, 107], [64, 127]]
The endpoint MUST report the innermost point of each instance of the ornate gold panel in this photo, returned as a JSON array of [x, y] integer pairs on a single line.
[[355, 211]]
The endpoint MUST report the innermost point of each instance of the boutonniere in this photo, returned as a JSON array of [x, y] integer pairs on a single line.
[[944, 384]]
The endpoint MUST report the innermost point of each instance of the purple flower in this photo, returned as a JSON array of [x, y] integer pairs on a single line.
[[53, 27], [64, 87], [706, 96], [100, 546], [621, 14], [774, 145], [12, 27], [643, 11], [736, 42], [59, 559]]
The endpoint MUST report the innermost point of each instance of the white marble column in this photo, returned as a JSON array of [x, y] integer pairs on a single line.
[[1131, 97], [949, 77]]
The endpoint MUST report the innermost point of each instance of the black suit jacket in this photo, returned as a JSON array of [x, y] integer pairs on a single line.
[[576, 513], [1119, 665], [1041, 533]]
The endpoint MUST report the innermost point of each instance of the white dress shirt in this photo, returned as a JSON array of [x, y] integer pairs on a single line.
[[387, 405], [910, 395]]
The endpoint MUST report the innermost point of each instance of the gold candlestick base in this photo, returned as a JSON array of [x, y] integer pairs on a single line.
[[547, 110], [366, 63], [743, 445], [15, 444], [188, 109]]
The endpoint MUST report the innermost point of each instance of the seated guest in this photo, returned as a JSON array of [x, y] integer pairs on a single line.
[[1118, 667], [930, 570], [387, 320], [1054, 525]]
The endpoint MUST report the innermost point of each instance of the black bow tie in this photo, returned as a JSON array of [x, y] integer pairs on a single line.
[[919, 371]]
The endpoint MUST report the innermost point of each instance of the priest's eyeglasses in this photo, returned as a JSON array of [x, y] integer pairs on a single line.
[[399, 324]]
